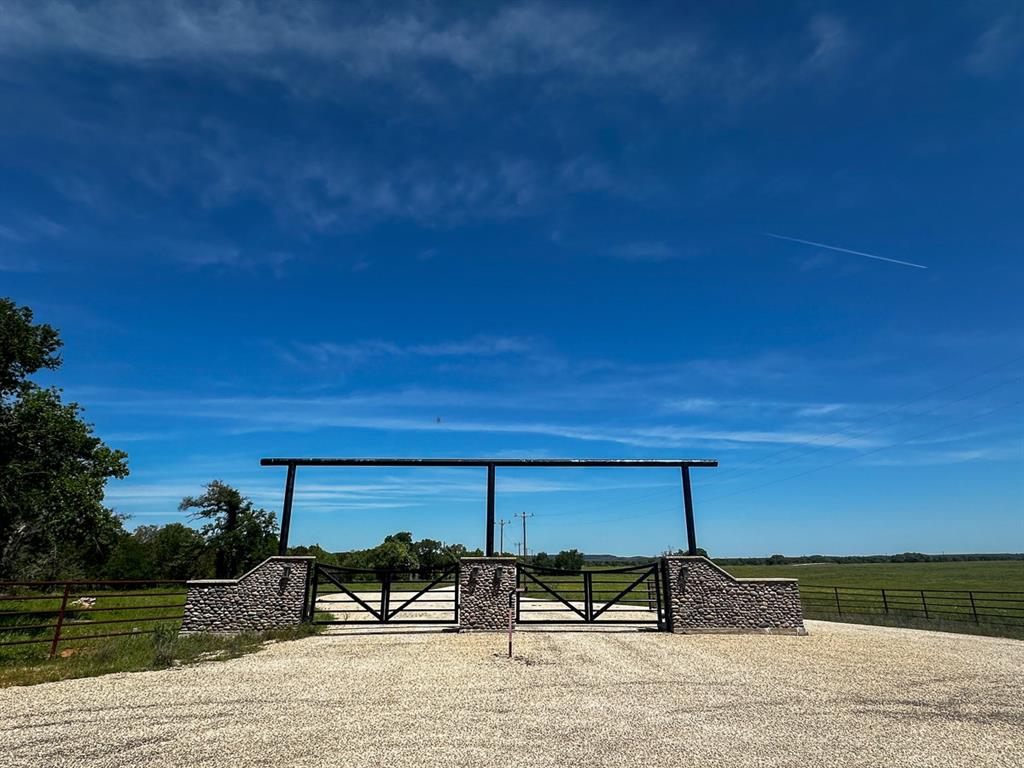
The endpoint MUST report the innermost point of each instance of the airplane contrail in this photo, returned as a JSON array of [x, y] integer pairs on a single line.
[[845, 250]]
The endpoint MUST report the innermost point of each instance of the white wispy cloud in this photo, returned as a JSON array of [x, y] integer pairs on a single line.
[[142, 498], [645, 251], [17, 262], [247, 415], [526, 38], [328, 352], [832, 42], [998, 47]]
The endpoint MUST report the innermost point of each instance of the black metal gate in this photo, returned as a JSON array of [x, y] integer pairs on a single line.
[[377, 596], [629, 595]]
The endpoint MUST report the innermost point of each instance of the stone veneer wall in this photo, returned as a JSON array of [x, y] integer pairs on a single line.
[[270, 596], [704, 598], [484, 593]]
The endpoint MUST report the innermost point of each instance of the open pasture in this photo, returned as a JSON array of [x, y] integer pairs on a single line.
[[995, 575]]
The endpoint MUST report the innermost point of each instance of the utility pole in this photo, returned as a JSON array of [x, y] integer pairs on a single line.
[[523, 515], [501, 536], [519, 552]]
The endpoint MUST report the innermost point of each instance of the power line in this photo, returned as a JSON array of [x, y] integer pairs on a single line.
[[501, 536], [523, 515]]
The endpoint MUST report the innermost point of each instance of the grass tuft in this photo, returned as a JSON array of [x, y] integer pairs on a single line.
[[159, 649]]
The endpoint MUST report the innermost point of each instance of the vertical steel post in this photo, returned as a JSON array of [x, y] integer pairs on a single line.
[[924, 604], [458, 588], [286, 510], [691, 534], [385, 597], [885, 601], [490, 510], [974, 608], [60, 620], [588, 596], [839, 608]]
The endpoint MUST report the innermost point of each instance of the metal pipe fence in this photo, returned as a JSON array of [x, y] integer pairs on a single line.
[[54, 612], [989, 607]]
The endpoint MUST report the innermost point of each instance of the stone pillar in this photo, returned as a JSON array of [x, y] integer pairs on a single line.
[[270, 596], [485, 584], [704, 598]]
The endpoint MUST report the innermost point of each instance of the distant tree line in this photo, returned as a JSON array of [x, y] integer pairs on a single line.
[[398, 551], [566, 560]]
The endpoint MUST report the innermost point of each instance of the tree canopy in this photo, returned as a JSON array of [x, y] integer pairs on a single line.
[[53, 469], [240, 535]]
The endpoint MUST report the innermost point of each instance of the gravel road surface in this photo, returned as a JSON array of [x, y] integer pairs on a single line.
[[846, 695]]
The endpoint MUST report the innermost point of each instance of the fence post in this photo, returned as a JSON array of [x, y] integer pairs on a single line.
[[455, 572], [385, 597], [974, 608], [588, 595], [839, 608], [60, 619], [885, 602], [925, 604]]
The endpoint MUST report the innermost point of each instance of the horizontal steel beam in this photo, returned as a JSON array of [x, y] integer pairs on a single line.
[[355, 462]]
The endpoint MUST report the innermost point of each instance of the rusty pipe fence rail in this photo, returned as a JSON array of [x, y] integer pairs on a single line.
[[53, 612], [988, 607]]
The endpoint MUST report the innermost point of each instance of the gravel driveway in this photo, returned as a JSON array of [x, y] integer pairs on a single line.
[[845, 695]]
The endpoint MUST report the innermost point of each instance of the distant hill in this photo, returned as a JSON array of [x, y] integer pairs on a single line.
[[618, 559]]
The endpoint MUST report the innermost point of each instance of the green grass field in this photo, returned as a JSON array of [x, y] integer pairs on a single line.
[[28, 619], [995, 575]]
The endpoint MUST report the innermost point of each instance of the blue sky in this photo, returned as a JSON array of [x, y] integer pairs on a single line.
[[536, 230]]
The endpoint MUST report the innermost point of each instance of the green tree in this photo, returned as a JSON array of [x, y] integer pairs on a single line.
[[542, 559], [179, 552], [53, 469], [240, 535], [315, 550], [132, 556], [395, 552], [430, 554], [569, 560]]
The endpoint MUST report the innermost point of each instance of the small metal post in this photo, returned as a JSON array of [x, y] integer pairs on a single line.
[[490, 510], [691, 534], [839, 608], [60, 620], [885, 602], [974, 608], [286, 510], [924, 603], [512, 596]]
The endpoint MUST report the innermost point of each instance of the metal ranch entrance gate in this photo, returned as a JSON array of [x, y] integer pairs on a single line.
[[629, 595], [384, 596], [492, 465]]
